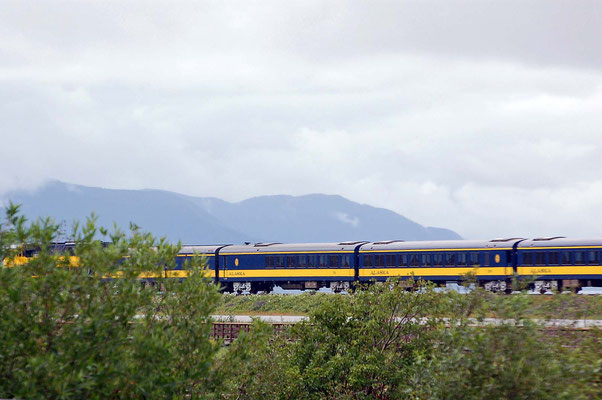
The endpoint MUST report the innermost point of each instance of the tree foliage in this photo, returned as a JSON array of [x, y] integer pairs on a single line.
[[388, 342], [71, 332], [91, 330]]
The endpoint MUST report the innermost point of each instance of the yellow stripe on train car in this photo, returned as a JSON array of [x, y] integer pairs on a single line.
[[15, 261], [428, 271], [22, 260], [285, 273], [561, 270], [142, 275], [73, 260], [182, 273], [114, 275], [147, 275], [162, 274]]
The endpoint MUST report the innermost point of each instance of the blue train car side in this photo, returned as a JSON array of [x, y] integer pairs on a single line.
[[547, 263], [210, 254], [558, 262], [261, 266], [550, 262], [492, 262]]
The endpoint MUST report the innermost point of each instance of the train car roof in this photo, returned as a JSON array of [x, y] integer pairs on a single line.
[[290, 247], [559, 241], [391, 245], [201, 249]]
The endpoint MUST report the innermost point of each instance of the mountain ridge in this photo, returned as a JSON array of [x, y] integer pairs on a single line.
[[194, 220]]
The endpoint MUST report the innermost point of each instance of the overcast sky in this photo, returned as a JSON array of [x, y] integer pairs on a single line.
[[484, 117]]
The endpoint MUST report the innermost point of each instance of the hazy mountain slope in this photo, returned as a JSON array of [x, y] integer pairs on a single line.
[[163, 213], [310, 218], [441, 233], [320, 218]]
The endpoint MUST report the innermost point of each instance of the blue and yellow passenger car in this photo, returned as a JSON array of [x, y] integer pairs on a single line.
[[210, 258], [557, 262], [547, 263], [441, 261], [258, 267]]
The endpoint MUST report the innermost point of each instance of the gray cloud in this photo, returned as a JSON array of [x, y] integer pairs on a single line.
[[481, 116]]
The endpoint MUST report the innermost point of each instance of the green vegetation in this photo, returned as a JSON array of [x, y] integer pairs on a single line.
[[568, 306], [385, 343], [67, 332]]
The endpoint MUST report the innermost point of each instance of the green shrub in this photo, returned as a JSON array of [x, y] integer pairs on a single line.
[[68, 332], [79, 332], [386, 342]]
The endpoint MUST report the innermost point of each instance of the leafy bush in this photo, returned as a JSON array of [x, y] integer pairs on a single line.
[[90, 330], [375, 344], [70, 332], [569, 306], [514, 357], [386, 342]]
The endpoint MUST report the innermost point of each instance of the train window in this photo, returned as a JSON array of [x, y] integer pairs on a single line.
[[390, 260], [438, 260], [322, 261], [368, 260], [269, 262], [450, 259], [346, 261], [426, 260], [302, 263], [403, 260], [462, 259], [291, 261], [414, 260], [311, 261], [593, 257], [486, 259], [474, 259], [379, 260], [553, 258], [279, 261], [334, 261], [540, 258], [566, 258], [580, 257], [528, 258]]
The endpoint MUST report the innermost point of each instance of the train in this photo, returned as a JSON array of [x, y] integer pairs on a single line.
[[547, 263]]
